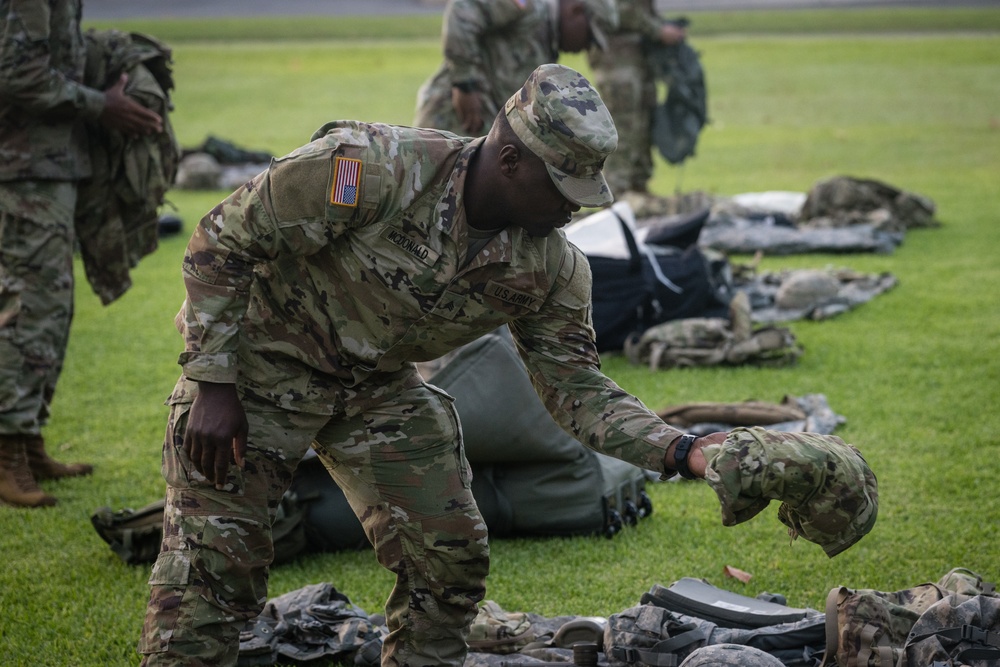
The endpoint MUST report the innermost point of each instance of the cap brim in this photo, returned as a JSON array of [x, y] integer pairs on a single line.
[[589, 192]]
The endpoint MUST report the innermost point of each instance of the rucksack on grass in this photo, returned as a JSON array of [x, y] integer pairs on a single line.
[[953, 622], [135, 534], [672, 622]]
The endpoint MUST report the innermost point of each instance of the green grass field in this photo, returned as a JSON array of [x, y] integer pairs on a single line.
[[911, 97]]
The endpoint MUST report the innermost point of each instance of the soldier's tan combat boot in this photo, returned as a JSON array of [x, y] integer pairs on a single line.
[[44, 466], [17, 484]]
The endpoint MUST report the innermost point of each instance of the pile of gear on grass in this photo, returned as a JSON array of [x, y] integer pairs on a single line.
[[690, 623], [667, 295]]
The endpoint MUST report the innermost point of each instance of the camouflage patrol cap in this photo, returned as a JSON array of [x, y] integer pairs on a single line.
[[829, 494], [561, 118], [730, 655]]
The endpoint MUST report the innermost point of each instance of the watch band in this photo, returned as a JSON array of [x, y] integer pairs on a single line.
[[681, 452]]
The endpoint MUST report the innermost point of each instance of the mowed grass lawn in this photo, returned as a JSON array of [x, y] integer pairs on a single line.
[[911, 97]]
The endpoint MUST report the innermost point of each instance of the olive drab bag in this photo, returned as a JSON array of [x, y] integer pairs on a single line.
[[135, 534], [953, 622]]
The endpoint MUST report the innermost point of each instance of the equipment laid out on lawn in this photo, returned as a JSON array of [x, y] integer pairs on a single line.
[[637, 285], [690, 623]]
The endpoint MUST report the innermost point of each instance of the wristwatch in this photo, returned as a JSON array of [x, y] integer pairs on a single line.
[[681, 452]]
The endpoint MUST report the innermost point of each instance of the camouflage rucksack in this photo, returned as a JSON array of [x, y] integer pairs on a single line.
[[957, 630], [713, 341], [845, 200], [955, 621], [135, 535], [652, 635]]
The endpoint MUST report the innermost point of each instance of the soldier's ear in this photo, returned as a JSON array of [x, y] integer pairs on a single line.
[[510, 158]]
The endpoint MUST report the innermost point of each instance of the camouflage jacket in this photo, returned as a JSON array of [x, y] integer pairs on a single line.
[[341, 265], [493, 45], [42, 100], [116, 215], [639, 16]]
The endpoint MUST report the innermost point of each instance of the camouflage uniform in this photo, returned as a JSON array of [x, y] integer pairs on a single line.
[[43, 153], [492, 46], [626, 78], [314, 288]]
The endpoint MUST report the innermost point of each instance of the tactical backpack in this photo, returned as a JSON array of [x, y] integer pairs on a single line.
[[673, 622], [135, 535], [714, 341], [955, 621], [845, 200]]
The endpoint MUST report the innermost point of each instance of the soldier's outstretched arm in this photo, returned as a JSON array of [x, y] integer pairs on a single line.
[[216, 433]]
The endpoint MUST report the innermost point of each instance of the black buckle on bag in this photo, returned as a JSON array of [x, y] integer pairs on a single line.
[[625, 654], [971, 633]]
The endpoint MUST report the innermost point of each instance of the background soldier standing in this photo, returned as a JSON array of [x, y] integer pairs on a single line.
[[43, 154], [490, 48], [626, 77]]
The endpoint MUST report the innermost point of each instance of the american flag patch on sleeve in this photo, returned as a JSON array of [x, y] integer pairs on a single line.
[[346, 175]]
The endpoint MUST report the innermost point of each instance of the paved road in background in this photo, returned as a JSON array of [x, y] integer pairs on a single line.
[[136, 9]]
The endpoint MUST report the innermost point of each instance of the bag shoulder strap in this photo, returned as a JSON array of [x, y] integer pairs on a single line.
[[833, 600], [661, 654]]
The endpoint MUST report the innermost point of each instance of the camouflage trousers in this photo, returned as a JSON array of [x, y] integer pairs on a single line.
[[627, 83], [402, 467], [36, 298]]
